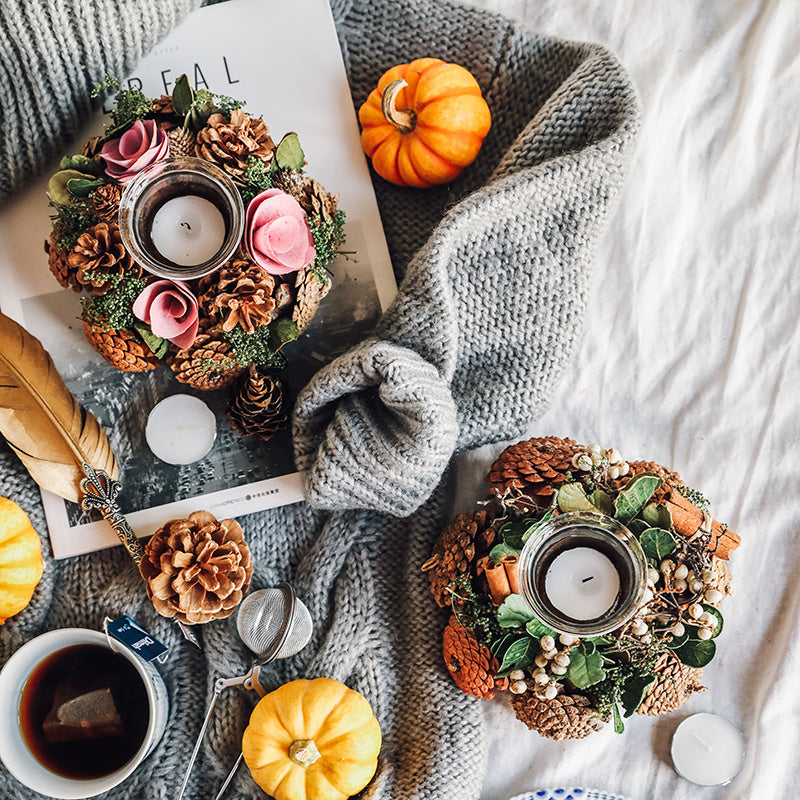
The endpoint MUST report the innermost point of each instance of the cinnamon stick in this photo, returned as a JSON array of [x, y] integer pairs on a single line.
[[499, 587], [510, 563]]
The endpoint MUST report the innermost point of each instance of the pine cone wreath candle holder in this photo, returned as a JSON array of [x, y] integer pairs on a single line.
[[241, 290], [529, 606]]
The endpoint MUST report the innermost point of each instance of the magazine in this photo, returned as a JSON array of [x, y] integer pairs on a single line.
[[235, 48]]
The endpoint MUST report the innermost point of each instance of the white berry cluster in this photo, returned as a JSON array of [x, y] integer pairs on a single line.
[[551, 666], [603, 464]]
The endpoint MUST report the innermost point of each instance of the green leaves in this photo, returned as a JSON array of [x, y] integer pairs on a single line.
[[289, 154], [602, 501], [58, 187], [520, 654], [634, 690], [158, 346], [717, 614], [657, 515], [282, 331], [83, 164], [182, 96], [500, 550], [539, 629], [514, 612], [657, 544], [637, 491], [585, 665], [572, 497], [696, 653]]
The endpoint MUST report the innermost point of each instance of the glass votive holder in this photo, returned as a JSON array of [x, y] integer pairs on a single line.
[[583, 574], [181, 218]]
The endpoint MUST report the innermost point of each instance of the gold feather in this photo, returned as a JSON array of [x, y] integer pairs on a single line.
[[41, 419]]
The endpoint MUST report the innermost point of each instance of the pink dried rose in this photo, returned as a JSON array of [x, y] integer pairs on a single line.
[[277, 233], [170, 309], [140, 146]]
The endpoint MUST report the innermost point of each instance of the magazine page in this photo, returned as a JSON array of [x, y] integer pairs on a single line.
[[233, 49]]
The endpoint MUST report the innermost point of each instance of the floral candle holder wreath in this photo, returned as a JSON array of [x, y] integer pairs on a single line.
[[224, 326], [565, 680]]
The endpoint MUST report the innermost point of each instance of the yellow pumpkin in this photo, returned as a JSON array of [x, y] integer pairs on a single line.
[[424, 123], [20, 559], [312, 740]]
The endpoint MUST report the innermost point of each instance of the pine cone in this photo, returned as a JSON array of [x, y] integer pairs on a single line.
[[567, 716], [106, 201], [311, 194], [93, 146], [259, 406], [208, 364], [122, 349], [58, 260], [181, 143], [471, 664], [165, 116], [197, 569], [239, 294], [99, 257], [229, 143], [675, 684], [455, 550], [310, 291], [528, 474]]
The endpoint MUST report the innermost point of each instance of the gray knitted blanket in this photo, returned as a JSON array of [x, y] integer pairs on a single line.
[[494, 272]]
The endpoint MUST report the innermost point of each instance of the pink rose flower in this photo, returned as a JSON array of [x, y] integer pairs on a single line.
[[170, 309], [277, 233], [137, 148]]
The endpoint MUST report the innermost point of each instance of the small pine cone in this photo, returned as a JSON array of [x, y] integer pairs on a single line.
[[229, 143], [566, 716], [92, 147], [283, 296], [99, 257], [528, 474], [58, 260], [309, 193], [310, 291], [165, 116], [106, 201], [455, 550], [675, 684], [259, 406], [470, 663], [122, 349], [240, 293], [197, 569], [181, 143], [207, 364]]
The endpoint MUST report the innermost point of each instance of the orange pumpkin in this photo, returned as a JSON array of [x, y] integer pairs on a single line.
[[20, 559], [424, 123]]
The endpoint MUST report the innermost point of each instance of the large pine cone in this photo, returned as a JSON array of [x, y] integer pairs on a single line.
[[106, 201], [675, 684], [229, 143], [454, 552], [566, 716], [122, 349], [259, 407], [310, 193], [470, 663], [58, 260], [528, 474], [239, 294], [99, 258], [197, 569], [310, 291], [207, 364]]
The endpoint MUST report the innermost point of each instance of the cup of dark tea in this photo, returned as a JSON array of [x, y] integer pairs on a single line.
[[83, 713]]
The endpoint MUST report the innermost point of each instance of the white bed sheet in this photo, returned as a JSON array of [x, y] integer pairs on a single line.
[[689, 357]]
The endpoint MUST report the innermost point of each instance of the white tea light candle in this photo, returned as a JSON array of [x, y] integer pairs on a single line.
[[582, 583], [188, 230], [707, 749], [181, 429]]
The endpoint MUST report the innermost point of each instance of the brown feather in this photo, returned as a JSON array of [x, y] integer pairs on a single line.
[[41, 419]]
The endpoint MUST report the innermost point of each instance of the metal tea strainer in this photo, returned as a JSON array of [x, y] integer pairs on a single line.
[[274, 624]]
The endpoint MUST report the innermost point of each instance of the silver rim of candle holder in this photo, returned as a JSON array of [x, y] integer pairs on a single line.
[[160, 182], [609, 536]]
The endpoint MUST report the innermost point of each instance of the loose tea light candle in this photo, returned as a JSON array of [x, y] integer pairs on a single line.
[[582, 583], [188, 230], [181, 429], [707, 749]]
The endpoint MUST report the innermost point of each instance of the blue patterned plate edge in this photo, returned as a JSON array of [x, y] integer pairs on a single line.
[[568, 794]]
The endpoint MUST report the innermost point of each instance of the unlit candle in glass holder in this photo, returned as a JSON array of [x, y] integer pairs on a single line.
[[188, 230]]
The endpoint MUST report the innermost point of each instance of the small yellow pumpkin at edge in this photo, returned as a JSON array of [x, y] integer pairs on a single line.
[[21, 563], [424, 123], [312, 740]]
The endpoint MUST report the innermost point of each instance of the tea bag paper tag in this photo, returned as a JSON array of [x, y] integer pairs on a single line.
[[137, 639]]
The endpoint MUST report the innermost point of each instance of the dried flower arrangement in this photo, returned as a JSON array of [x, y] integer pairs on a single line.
[[226, 330], [563, 686]]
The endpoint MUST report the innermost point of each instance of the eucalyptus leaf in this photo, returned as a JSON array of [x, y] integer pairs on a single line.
[[57, 185], [717, 614], [289, 154], [657, 544], [697, 653], [637, 527], [500, 550], [572, 497], [634, 690], [83, 187], [182, 95], [619, 725], [281, 331], [585, 665], [536, 525], [657, 515], [677, 641], [158, 346], [603, 501], [636, 492], [519, 655], [514, 612], [539, 629]]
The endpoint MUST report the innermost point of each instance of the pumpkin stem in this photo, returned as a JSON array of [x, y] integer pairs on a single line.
[[403, 119], [304, 752]]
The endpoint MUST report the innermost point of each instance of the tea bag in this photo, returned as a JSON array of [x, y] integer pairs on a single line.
[[89, 715]]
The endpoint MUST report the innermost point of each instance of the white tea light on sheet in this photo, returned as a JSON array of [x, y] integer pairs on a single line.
[[707, 749], [181, 429]]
